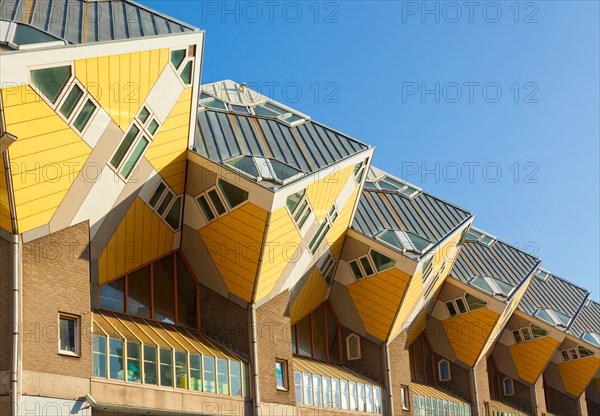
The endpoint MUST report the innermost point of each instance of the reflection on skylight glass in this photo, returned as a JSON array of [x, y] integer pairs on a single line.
[[27, 35], [492, 285], [245, 164], [283, 171], [404, 240], [264, 168], [592, 337], [208, 101], [390, 184], [553, 317]]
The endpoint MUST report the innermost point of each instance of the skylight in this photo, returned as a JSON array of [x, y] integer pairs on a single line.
[[22, 36], [592, 337], [492, 286], [478, 235], [387, 183], [542, 274], [404, 240], [262, 168], [553, 317]]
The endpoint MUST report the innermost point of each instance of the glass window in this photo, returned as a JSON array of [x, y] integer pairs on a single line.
[[361, 397], [134, 157], [318, 390], [369, 394], [158, 193], [195, 372], [565, 355], [353, 347], [164, 291], [115, 349], [138, 292], [152, 127], [117, 158], [319, 236], [584, 352], [377, 399], [474, 302], [166, 367], [150, 364], [206, 208], [234, 196], [177, 57], [319, 335], [245, 164], [181, 370], [27, 35], [174, 215], [451, 308], [404, 397], [298, 386], [51, 81], [134, 369], [444, 370], [538, 332], [143, 115], [327, 402], [293, 201], [112, 296], [281, 374], [283, 171], [308, 391], [517, 335], [209, 375], [235, 368], [508, 387], [526, 334], [591, 337], [460, 304], [335, 392], [381, 262], [84, 115], [68, 334], [242, 109], [222, 376], [345, 398], [353, 396], [356, 271], [333, 337], [71, 101], [187, 307], [366, 264], [165, 203], [99, 351], [304, 337], [216, 201]]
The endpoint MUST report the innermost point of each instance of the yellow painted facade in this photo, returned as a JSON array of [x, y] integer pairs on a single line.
[[121, 83], [323, 193], [530, 358], [45, 159], [4, 208], [141, 237], [414, 291], [577, 374], [377, 299], [312, 294], [167, 153], [281, 247], [234, 243], [469, 333]]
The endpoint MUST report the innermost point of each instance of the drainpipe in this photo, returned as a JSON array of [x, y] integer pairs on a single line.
[[388, 377], [474, 392], [254, 360]]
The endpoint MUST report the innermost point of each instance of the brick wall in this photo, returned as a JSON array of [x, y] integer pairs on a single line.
[[593, 407], [224, 321], [400, 369], [371, 361], [540, 398], [460, 383], [560, 404], [274, 342], [56, 278], [483, 386], [522, 397], [5, 306]]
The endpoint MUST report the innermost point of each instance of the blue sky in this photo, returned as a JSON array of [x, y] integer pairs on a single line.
[[494, 108]]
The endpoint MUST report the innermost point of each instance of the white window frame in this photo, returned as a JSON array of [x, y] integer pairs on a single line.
[[160, 200], [475, 234], [221, 197], [371, 263], [293, 214], [577, 354], [554, 317], [348, 355], [415, 189], [272, 177], [284, 366], [327, 266], [512, 384], [444, 361], [542, 274], [188, 57], [77, 320], [330, 217], [529, 330], [595, 336], [492, 284], [407, 244]]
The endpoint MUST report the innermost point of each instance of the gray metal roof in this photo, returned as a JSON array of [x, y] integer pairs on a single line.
[[78, 21], [309, 146], [425, 215], [588, 320], [500, 260], [554, 293]]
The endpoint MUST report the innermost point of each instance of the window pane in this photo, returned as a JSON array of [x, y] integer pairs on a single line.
[[234, 196], [451, 309], [333, 331], [152, 127], [353, 396], [186, 73], [245, 164], [308, 391], [280, 374], [115, 348], [283, 171], [318, 391], [181, 370], [143, 115], [51, 81], [84, 115], [517, 335], [460, 303], [236, 378], [369, 391], [166, 367], [381, 262], [209, 375], [186, 295], [135, 156], [195, 372], [305, 211], [474, 302], [67, 334], [327, 402], [293, 201], [164, 291], [174, 214], [177, 57], [149, 364], [377, 399], [353, 346], [138, 292], [206, 209], [319, 342], [134, 374], [165, 203], [355, 270], [298, 386], [539, 332], [216, 201], [361, 398], [366, 266], [335, 391], [223, 376], [112, 296], [27, 35], [71, 101], [526, 334], [444, 370], [124, 146], [99, 348], [304, 337], [344, 389], [157, 194]]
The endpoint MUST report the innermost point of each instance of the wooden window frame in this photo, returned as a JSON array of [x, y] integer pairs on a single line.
[[284, 366], [77, 329]]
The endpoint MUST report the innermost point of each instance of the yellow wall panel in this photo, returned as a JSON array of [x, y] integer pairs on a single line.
[[335, 236], [577, 374], [46, 157], [531, 357], [413, 293], [280, 247], [121, 83], [234, 243], [323, 193], [140, 238], [4, 208], [167, 153], [311, 295], [469, 333], [377, 299]]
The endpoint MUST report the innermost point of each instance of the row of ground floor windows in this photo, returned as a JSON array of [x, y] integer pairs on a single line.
[[429, 406], [333, 393], [139, 363]]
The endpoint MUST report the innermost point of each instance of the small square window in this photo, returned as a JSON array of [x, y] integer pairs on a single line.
[[281, 374], [68, 334], [143, 115], [451, 308]]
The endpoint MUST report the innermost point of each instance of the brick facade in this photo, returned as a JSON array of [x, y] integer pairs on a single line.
[[460, 383], [371, 361], [480, 372], [5, 314], [560, 404], [400, 369]]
